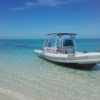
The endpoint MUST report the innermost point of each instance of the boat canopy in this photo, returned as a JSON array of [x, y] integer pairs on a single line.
[[61, 34]]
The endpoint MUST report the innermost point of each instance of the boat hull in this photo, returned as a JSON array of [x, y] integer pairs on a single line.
[[72, 65], [78, 60]]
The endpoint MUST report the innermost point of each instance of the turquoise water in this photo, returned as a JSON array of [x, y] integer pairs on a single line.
[[24, 76]]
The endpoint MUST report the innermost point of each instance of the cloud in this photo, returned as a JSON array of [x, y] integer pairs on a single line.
[[51, 3], [39, 3], [48, 3], [25, 6]]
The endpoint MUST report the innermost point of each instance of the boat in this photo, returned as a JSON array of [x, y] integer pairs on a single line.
[[61, 49]]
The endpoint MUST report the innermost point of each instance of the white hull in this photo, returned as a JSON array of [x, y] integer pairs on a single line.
[[77, 58]]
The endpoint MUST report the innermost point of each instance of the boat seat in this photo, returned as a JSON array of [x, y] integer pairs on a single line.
[[68, 49], [51, 49]]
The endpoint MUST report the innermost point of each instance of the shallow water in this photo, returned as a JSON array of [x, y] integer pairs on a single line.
[[24, 76]]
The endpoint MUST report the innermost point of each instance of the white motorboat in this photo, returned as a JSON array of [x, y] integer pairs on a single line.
[[63, 51]]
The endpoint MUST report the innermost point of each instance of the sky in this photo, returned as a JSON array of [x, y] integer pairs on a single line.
[[25, 19]]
